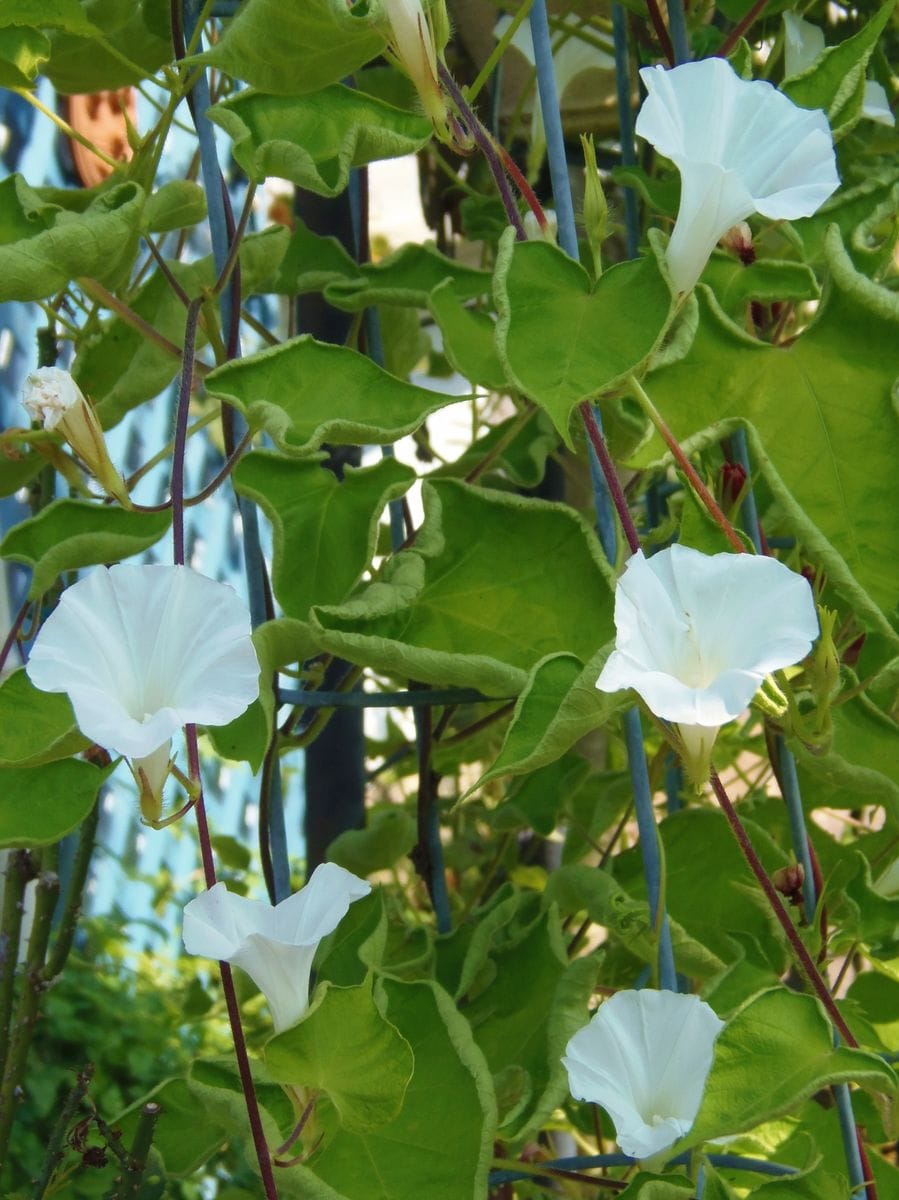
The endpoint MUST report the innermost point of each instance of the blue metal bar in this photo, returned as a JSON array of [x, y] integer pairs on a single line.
[[748, 510], [253, 560], [583, 1162], [625, 126], [649, 845], [602, 501], [677, 27], [552, 125], [413, 698]]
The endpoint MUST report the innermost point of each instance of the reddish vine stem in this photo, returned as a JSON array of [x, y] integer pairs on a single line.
[[522, 184], [217, 480], [740, 28], [661, 31], [611, 476], [485, 144], [14, 633], [802, 955]]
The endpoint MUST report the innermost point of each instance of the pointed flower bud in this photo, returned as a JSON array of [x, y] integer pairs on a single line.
[[696, 634], [645, 1057], [413, 40], [596, 208], [52, 397], [275, 945], [741, 147], [548, 232]]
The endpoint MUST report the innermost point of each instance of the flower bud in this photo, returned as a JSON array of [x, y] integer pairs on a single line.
[[150, 773], [596, 208], [52, 397], [824, 669], [789, 881], [738, 240], [415, 38], [733, 481]]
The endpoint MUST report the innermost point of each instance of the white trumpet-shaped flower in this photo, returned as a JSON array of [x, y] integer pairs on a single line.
[[741, 147], [645, 1058], [143, 650], [696, 634], [275, 945]]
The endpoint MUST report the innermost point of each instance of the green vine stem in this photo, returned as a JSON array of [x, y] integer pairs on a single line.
[[55, 1146], [129, 1188], [34, 983], [19, 871], [71, 910]]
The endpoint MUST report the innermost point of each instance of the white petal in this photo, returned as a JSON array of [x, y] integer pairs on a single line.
[[803, 44], [143, 650], [281, 973], [315, 911], [711, 201], [876, 106], [217, 921], [645, 1058]]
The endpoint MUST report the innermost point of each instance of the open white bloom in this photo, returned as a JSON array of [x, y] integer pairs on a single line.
[[645, 1058], [572, 56], [741, 147], [696, 634], [52, 397], [143, 650], [275, 945]]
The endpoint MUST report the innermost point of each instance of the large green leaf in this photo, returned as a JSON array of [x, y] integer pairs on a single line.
[[313, 263], [469, 338], [526, 1015], [562, 340], [305, 393], [43, 246], [119, 368], [46, 14], [68, 534], [473, 603], [22, 52], [314, 140], [35, 726], [292, 50], [559, 704], [440, 1143], [821, 424], [860, 767], [772, 1054], [345, 1047], [124, 44], [389, 835], [186, 1135], [40, 805], [324, 530], [836, 82]]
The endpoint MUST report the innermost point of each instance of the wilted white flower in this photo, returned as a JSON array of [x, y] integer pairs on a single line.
[[572, 56], [143, 650], [416, 38], [645, 1058], [52, 397], [876, 104], [275, 945], [696, 634], [803, 46], [741, 147]]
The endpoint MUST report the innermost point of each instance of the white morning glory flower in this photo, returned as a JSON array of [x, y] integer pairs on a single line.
[[645, 1058], [52, 397], [143, 650], [696, 634], [275, 945], [741, 147]]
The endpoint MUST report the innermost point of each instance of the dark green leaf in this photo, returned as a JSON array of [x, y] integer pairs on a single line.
[[40, 805]]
